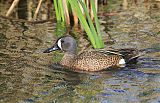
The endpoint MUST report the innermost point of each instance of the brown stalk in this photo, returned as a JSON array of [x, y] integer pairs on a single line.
[[37, 9], [64, 3], [9, 12]]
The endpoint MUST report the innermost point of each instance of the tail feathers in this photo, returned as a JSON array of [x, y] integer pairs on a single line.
[[130, 55], [132, 58]]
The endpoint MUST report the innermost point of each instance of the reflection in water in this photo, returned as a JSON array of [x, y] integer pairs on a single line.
[[27, 75]]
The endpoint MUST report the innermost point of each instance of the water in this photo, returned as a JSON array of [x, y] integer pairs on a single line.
[[28, 76]]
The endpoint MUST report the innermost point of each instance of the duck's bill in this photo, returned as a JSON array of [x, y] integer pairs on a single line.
[[54, 48]]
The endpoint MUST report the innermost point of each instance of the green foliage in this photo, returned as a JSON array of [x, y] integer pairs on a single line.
[[92, 31], [97, 24], [59, 10]]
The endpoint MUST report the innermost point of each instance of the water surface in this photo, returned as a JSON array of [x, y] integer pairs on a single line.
[[28, 76]]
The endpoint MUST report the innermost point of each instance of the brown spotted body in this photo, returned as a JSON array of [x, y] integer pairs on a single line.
[[87, 60], [95, 61], [90, 61]]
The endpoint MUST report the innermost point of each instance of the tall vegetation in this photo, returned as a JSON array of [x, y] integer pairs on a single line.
[[84, 14], [84, 11]]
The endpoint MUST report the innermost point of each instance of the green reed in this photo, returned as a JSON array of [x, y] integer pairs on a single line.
[[92, 31], [59, 10]]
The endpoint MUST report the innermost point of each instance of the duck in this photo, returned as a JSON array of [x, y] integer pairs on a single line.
[[91, 60]]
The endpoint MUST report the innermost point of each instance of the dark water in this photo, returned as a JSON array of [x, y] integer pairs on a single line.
[[27, 76]]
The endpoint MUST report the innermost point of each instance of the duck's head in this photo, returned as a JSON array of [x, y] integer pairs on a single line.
[[65, 43]]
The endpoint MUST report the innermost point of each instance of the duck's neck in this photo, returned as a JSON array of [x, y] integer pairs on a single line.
[[68, 59]]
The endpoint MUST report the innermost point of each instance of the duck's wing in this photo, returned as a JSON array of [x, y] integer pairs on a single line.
[[129, 54], [95, 60], [110, 52]]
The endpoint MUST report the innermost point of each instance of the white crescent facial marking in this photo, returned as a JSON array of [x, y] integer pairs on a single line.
[[59, 44], [122, 62]]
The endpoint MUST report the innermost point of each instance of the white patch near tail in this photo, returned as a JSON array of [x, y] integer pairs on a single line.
[[59, 44], [122, 62]]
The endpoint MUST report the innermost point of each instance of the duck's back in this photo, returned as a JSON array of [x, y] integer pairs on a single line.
[[95, 61]]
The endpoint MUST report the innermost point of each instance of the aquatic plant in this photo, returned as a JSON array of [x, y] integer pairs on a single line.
[[84, 11], [59, 10], [85, 16]]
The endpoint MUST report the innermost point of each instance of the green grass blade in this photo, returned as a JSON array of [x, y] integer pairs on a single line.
[[83, 21], [58, 17], [60, 6], [94, 33], [97, 23]]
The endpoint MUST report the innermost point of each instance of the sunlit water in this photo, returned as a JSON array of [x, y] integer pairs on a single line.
[[27, 75]]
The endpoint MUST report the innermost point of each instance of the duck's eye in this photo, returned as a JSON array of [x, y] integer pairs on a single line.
[[62, 41]]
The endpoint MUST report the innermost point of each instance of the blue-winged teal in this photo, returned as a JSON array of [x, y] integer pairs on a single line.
[[90, 60]]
